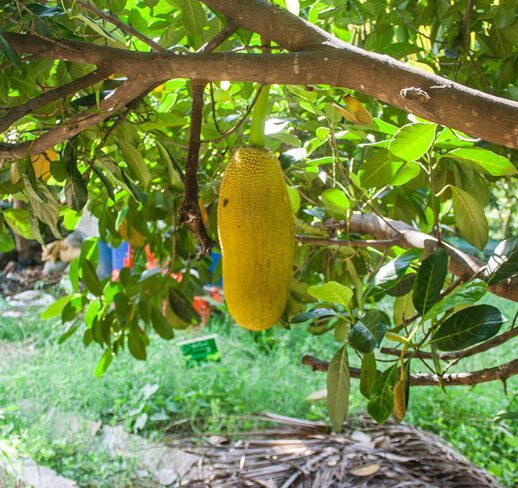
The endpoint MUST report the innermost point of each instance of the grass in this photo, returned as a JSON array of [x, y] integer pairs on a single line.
[[257, 372]]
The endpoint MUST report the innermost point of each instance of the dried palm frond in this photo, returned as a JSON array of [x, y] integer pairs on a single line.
[[305, 454]]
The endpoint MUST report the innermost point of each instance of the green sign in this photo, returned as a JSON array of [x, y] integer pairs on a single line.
[[201, 349]]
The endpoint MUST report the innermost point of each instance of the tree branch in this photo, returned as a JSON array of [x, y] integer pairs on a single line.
[[51, 96], [448, 356], [461, 264], [107, 107], [189, 211], [120, 24], [317, 241], [502, 373], [476, 113]]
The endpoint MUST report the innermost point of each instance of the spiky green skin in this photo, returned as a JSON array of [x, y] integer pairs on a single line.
[[256, 235]]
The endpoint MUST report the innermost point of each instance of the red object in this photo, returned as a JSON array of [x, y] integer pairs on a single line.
[[203, 308], [215, 294]]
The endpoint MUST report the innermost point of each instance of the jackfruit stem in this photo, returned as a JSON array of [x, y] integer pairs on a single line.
[[259, 117]]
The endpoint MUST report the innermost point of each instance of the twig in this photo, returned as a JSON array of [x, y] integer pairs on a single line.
[[213, 108], [120, 24], [238, 124], [318, 241], [502, 373], [483, 346], [51, 96], [219, 38]]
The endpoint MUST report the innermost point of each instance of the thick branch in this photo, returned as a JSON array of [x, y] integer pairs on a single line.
[[317, 241], [296, 34], [451, 104], [51, 96], [501, 373], [461, 264], [107, 107], [189, 211]]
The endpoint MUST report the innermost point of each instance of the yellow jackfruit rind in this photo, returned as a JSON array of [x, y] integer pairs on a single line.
[[256, 234]]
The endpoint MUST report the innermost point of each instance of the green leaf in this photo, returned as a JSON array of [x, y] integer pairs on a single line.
[[73, 274], [412, 141], [135, 161], [381, 404], [18, 220], [160, 324], [331, 292], [10, 53], [403, 309], [70, 330], [368, 332], [336, 201], [92, 311], [464, 294], [503, 263], [136, 345], [316, 313], [174, 176], [193, 16], [294, 198], [338, 386], [467, 327], [6, 241], [470, 218], [492, 163], [182, 307], [429, 280], [382, 169], [90, 278], [367, 374], [55, 309], [75, 189], [391, 273], [104, 363]]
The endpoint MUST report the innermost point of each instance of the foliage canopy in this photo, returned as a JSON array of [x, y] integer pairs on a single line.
[[370, 185]]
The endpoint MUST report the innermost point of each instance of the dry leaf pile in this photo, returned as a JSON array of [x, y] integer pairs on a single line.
[[305, 454]]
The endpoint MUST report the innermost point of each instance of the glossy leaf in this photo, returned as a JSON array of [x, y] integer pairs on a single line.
[[429, 280], [338, 385], [392, 272], [367, 333], [412, 141], [316, 313], [466, 293], [470, 218], [381, 404], [55, 309], [503, 263], [468, 327], [331, 292], [490, 162], [336, 201]]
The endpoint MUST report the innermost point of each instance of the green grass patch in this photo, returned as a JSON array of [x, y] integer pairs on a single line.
[[257, 372]]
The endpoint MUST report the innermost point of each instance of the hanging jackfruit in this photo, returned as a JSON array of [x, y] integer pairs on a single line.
[[256, 234]]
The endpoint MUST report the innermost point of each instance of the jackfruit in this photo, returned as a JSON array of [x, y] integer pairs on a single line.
[[256, 235]]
